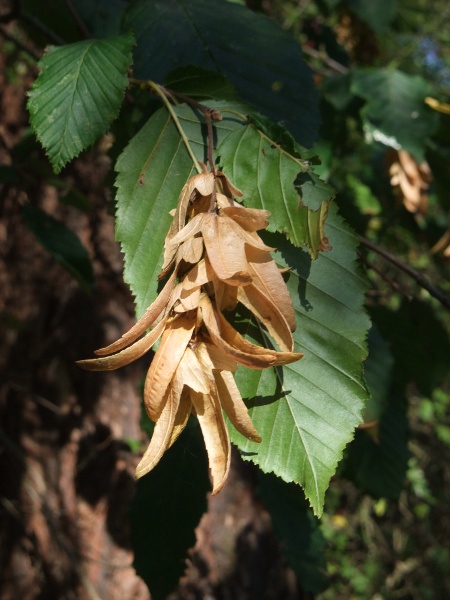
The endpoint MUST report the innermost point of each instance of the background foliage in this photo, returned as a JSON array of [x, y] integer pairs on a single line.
[[381, 87]]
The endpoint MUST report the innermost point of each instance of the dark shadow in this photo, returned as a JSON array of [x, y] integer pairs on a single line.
[[96, 464], [298, 259]]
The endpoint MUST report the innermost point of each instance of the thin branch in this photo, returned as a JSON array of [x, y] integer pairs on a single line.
[[391, 283], [210, 142], [215, 115], [333, 64], [78, 20], [418, 277], [40, 26]]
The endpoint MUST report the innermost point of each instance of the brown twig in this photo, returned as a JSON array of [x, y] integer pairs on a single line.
[[40, 26], [391, 283], [418, 277], [333, 64], [77, 19]]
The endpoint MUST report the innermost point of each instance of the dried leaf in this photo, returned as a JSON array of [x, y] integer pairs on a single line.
[[196, 277], [233, 405], [268, 313], [182, 416], [232, 343], [147, 319], [188, 300], [163, 431], [249, 237], [227, 187], [209, 414], [192, 228], [212, 357], [167, 358], [191, 251], [224, 202], [193, 373], [225, 249], [250, 219], [198, 185], [127, 356], [268, 279]]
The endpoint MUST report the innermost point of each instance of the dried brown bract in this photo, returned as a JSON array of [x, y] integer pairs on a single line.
[[217, 259]]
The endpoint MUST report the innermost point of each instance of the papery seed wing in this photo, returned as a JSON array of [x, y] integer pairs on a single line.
[[172, 244], [182, 416], [249, 237], [268, 279], [192, 228], [225, 295], [167, 358], [228, 188], [212, 357], [224, 202], [163, 431], [191, 250], [193, 374], [232, 403], [147, 319], [250, 219], [209, 414], [188, 300], [127, 356], [232, 343], [201, 184], [268, 313], [196, 277], [225, 250]]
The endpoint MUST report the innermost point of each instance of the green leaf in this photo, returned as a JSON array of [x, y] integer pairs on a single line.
[[168, 505], [419, 342], [395, 113], [269, 73], [280, 182], [377, 458], [197, 82], [77, 95], [377, 463], [377, 14], [62, 243], [378, 370], [306, 412], [151, 173], [301, 539], [102, 17]]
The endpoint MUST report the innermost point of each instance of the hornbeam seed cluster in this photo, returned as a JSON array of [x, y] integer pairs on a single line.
[[216, 259]]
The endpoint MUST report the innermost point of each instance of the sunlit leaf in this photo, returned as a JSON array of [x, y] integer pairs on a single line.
[[77, 94], [306, 412]]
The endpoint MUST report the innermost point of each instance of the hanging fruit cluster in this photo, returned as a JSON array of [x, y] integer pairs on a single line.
[[217, 259]]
